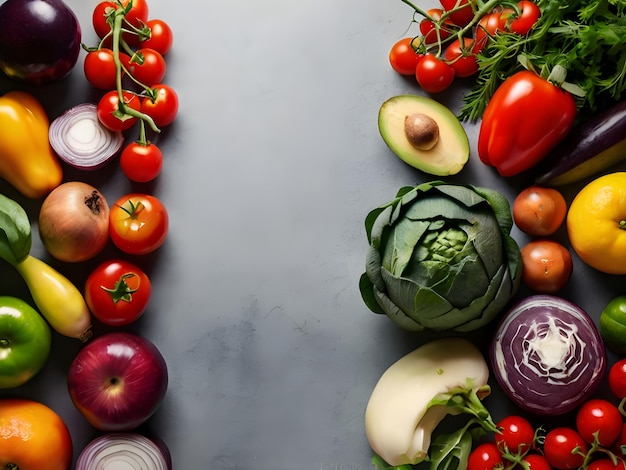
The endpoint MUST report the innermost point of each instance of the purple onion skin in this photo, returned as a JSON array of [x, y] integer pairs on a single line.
[[39, 40], [532, 385]]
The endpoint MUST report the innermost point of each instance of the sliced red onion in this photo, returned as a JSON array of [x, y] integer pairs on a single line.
[[547, 355], [79, 139], [115, 451]]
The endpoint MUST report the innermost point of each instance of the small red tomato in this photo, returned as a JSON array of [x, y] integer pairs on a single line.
[[161, 104], [141, 162], [110, 115], [606, 464], [547, 266], [433, 74], [536, 462], [433, 29], [100, 70], [516, 435], [99, 18], [461, 12], [539, 211], [485, 456], [617, 379], [138, 223], [161, 36], [462, 58], [403, 57], [147, 66], [117, 292], [600, 418], [564, 448], [528, 16]]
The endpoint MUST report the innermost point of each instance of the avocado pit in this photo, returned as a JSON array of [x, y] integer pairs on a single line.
[[421, 130]]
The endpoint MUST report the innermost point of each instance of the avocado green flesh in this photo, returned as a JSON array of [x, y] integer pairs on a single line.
[[450, 153]]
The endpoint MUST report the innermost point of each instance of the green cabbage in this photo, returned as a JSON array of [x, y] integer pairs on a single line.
[[441, 257]]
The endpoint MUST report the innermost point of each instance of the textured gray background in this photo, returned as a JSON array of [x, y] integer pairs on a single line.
[[270, 169]]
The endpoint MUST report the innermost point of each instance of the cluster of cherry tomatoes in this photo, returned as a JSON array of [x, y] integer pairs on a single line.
[[595, 441], [451, 38], [129, 63]]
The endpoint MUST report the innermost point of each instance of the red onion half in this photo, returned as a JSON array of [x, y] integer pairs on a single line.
[[79, 139], [547, 355], [124, 450]]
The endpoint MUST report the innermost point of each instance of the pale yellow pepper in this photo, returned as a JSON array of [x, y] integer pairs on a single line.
[[27, 161]]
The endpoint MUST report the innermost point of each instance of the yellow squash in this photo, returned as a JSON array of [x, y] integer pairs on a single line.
[[27, 160]]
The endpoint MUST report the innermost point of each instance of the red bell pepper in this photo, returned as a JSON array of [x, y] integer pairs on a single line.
[[525, 118]]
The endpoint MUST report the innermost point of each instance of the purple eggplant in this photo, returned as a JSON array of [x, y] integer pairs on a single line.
[[591, 147], [39, 40]]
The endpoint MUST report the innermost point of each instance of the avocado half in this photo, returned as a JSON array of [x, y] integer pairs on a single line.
[[450, 152]]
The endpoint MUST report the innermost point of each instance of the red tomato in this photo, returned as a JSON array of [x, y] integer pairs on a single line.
[[161, 36], [461, 12], [161, 104], [111, 116], [117, 292], [536, 462], [617, 379], [141, 163], [620, 442], [403, 58], [138, 223], [429, 27], [99, 18], [462, 58], [100, 70], [606, 464], [528, 16], [558, 446], [433, 74], [539, 211], [516, 436], [601, 417], [488, 26], [485, 456], [138, 13], [147, 66], [547, 266]]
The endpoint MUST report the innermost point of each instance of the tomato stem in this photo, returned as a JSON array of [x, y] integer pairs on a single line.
[[622, 225]]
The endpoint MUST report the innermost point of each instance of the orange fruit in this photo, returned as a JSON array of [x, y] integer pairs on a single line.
[[596, 223], [33, 436]]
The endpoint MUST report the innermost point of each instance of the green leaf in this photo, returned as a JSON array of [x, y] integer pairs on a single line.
[[451, 451], [15, 231]]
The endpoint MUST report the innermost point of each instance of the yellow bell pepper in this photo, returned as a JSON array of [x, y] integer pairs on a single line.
[[27, 161]]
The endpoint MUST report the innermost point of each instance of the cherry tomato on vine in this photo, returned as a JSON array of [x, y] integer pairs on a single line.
[[488, 26], [462, 14], [161, 36], [558, 446], [536, 462], [462, 58], [403, 58], [428, 27], [606, 464], [141, 162], [516, 435], [147, 66], [138, 14], [529, 14], [138, 223], [109, 114], [161, 104], [433, 74], [100, 70], [117, 292], [99, 18], [485, 456], [601, 417], [617, 379], [539, 211], [547, 265]]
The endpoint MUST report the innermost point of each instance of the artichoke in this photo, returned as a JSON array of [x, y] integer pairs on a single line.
[[441, 257]]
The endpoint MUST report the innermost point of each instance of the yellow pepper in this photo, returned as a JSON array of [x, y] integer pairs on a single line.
[[27, 161]]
